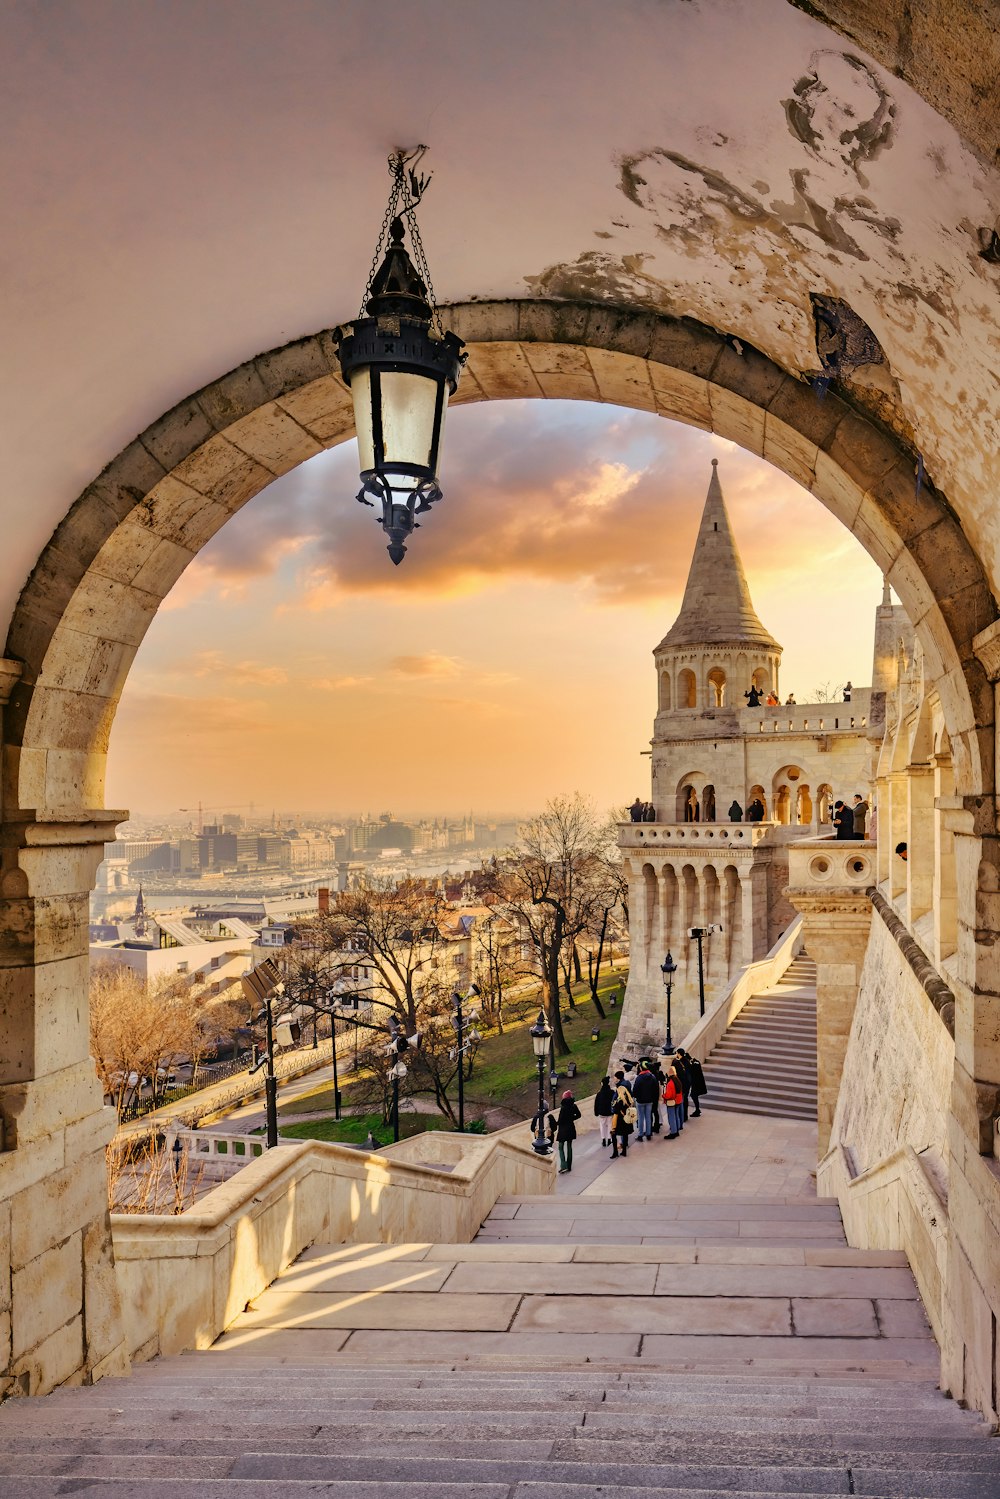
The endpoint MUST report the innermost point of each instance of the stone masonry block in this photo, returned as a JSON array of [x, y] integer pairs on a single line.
[[47, 1294], [748, 373], [49, 1212], [177, 434], [862, 450], [180, 513], [296, 364], [944, 555], [125, 551], [82, 663], [876, 534], [54, 1361], [816, 417], [685, 345], [558, 359], [737, 419], [126, 479], [503, 371], [909, 509], [318, 404], [234, 396], [568, 387], [5, 1264], [787, 450], [551, 322], [682, 397], [621, 330], [270, 436], [110, 610], [160, 572], [103, 1324], [838, 491], [486, 322]]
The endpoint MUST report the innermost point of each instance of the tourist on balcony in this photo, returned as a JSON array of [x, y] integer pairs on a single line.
[[771, 701], [648, 812], [604, 1103], [735, 812], [843, 821], [636, 810], [566, 1131], [860, 810], [623, 1117], [753, 696], [755, 811], [644, 1091]]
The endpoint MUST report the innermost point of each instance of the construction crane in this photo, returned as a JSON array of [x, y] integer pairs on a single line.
[[216, 807]]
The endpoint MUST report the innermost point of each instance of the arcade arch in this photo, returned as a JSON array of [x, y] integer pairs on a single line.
[[129, 536]]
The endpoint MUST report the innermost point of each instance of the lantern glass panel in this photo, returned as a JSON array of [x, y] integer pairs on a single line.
[[361, 395], [409, 402]]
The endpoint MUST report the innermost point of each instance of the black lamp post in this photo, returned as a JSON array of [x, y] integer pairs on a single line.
[[397, 1072], [540, 1034], [668, 968], [699, 933], [458, 1021], [401, 366]]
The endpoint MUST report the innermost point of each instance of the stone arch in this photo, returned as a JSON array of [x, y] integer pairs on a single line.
[[128, 537], [687, 688], [708, 804], [758, 794], [665, 704], [717, 687]]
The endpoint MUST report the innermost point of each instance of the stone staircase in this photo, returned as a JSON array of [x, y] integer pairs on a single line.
[[711, 1348], [766, 1061]]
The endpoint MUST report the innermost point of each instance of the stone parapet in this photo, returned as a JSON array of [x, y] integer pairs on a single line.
[[186, 1278], [678, 838]]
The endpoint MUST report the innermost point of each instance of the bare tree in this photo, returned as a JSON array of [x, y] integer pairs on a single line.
[[496, 963], [138, 1033], [392, 928], [547, 885]]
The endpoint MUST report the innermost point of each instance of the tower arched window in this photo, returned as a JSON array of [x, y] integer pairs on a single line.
[[687, 689], [665, 694], [717, 687]]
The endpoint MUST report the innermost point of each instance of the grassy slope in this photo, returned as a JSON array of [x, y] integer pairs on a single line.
[[505, 1074]]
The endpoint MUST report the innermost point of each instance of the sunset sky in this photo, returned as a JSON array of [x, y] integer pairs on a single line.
[[506, 660]]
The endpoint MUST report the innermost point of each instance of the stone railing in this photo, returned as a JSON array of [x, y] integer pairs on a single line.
[[708, 1031], [184, 1279], [895, 1204], [664, 835], [829, 863]]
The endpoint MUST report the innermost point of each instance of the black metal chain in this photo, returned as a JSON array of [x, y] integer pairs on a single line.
[[406, 192]]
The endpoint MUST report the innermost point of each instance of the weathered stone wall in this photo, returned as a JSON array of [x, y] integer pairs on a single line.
[[897, 1075]]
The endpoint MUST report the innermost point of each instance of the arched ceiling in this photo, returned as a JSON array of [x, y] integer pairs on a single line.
[[191, 184]]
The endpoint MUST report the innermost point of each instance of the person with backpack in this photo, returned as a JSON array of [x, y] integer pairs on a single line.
[[566, 1131]]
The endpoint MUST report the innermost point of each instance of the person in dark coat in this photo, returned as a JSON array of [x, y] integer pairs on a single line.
[[699, 1087], [843, 821], [644, 1091], [566, 1131], [604, 1102], [755, 811], [543, 1123], [648, 812], [621, 1127], [636, 810], [753, 697], [735, 812], [656, 1069]]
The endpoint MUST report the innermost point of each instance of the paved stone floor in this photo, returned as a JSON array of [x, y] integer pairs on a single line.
[[716, 1155]]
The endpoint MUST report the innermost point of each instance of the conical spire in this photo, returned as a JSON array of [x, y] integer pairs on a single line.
[[717, 608]]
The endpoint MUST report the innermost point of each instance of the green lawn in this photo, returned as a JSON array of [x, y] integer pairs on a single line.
[[355, 1129], [505, 1071]]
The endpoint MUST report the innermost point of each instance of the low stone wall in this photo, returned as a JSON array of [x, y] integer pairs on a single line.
[[896, 1083], [184, 1279], [895, 1205], [708, 1031]]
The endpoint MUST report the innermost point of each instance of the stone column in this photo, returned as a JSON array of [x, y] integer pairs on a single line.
[[60, 1317], [828, 883]]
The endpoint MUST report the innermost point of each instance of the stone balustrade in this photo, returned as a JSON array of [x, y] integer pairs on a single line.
[[184, 1279], [724, 835], [828, 863]]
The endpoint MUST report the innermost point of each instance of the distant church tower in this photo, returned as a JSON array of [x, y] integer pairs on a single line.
[[717, 757]]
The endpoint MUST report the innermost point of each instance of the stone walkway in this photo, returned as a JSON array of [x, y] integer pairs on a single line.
[[716, 1155]]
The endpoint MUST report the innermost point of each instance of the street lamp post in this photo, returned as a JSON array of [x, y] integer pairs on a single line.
[[699, 933], [397, 1072], [540, 1034], [668, 968], [458, 1021]]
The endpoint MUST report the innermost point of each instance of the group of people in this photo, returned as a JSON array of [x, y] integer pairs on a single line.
[[639, 1101], [641, 811]]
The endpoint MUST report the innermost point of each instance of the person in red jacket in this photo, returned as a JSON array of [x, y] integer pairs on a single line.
[[674, 1100]]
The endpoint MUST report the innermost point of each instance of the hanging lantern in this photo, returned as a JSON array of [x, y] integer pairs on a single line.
[[401, 366]]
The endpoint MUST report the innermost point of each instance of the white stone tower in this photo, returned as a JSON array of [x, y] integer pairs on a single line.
[[701, 862]]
